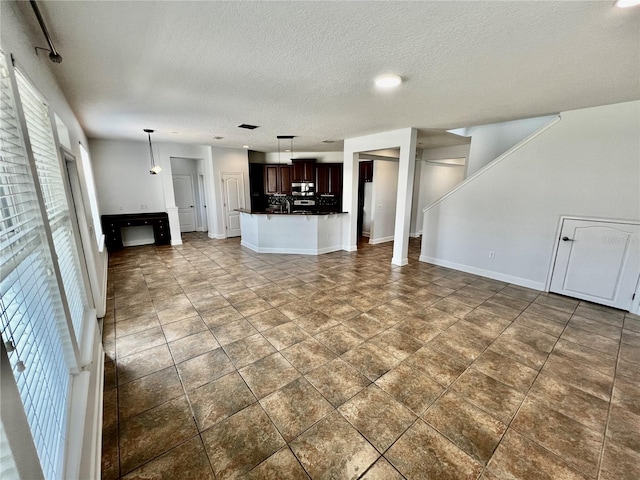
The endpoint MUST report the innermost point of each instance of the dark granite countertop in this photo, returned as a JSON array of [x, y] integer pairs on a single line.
[[304, 212]]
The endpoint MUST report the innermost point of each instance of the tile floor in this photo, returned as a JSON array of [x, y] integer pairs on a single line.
[[222, 363]]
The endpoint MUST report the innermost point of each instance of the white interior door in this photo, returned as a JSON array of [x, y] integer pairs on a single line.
[[598, 262], [233, 191], [185, 201]]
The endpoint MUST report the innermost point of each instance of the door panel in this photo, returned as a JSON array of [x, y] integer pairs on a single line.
[[598, 262], [233, 191], [185, 201]]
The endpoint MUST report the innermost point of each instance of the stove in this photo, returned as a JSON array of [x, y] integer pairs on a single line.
[[303, 206]]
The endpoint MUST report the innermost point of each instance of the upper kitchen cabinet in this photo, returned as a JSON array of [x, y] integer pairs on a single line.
[[329, 179], [304, 170], [277, 179], [366, 171]]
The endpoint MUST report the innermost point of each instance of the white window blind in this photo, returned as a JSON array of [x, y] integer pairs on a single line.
[[36, 113], [32, 318]]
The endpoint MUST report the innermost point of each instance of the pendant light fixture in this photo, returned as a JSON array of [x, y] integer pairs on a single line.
[[155, 169]]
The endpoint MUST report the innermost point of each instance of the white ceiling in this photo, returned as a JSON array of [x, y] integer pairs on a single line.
[[307, 68]]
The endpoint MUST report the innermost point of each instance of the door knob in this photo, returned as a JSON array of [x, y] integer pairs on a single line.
[[567, 239]]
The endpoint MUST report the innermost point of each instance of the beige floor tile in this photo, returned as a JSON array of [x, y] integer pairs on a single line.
[[332, 448], [241, 442], [220, 399], [424, 453], [377, 416], [295, 407]]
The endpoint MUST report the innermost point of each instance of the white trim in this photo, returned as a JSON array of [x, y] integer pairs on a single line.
[[86, 351], [523, 282], [216, 236], [495, 162], [91, 463], [105, 273], [102, 243], [400, 263], [296, 251], [416, 234], [366, 234], [376, 241], [77, 417], [350, 248]]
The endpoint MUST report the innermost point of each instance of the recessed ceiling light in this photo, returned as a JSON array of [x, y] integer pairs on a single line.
[[388, 81], [287, 150], [245, 146], [175, 132], [627, 3]]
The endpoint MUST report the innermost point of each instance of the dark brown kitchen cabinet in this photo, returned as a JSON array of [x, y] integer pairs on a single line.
[[304, 170], [329, 179], [366, 171], [277, 179], [285, 179]]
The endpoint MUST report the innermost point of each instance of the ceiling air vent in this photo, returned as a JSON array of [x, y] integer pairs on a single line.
[[217, 138], [328, 141], [247, 126]]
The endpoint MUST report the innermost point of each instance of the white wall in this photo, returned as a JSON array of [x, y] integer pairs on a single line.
[[125, 185], [586, 165], [488, 142], [435, 180], [123, 180], [384, 197], [443, 153]]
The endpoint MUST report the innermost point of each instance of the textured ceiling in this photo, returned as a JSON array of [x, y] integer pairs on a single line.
[[307, 68]]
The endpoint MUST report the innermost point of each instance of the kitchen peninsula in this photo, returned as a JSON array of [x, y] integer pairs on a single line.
[[306, 233]]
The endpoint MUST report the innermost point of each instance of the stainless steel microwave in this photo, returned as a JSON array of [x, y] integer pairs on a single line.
[[303, 189]]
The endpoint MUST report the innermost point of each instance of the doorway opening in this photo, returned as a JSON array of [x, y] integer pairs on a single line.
[[188, 188]]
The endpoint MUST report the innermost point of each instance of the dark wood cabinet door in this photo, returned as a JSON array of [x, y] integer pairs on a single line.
[[366, 171], [303, 171], [286, 172], [322, 178], [335, 179], [271, 179]]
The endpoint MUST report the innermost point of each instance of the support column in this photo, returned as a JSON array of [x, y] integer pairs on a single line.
[[406, 172]]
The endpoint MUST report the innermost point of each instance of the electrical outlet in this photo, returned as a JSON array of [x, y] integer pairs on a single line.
[[492, 254]]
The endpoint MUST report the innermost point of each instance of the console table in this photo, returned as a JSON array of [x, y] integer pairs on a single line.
[[111, 225]]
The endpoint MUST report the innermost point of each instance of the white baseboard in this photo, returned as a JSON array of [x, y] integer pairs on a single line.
[[295, 251], [376, 241], [502, 277], [399, 262], [216, 236], [350, 248], [416, 234], [366, 234]]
